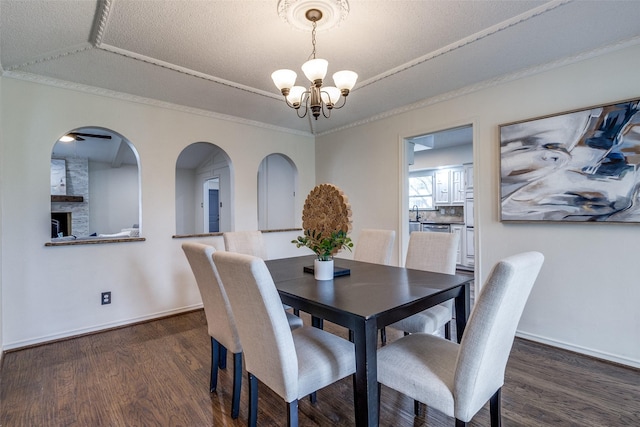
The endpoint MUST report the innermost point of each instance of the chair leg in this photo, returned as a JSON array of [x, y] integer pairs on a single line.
[[296, 312], [383, 336], [379, 394], [460, 423], [416, 408], [313, 397], [253, 401], [447, 330], [222, 357], [351, 336], [495, 409], [292, 413], [317, 322], [215, 349], [237, 385]]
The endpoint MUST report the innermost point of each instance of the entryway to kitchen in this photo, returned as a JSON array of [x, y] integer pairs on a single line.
[[440, 188]]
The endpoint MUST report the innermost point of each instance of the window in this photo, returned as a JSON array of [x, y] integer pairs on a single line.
[[421, 190]]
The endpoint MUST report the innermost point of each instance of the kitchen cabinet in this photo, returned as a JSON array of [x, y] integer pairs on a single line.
[[468, 211], [449, 186], [470, 246], [442, 196], [457, 229], [457, 186], [468, 176]]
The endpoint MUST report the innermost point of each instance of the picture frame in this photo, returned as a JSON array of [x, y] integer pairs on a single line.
[[576, 166]]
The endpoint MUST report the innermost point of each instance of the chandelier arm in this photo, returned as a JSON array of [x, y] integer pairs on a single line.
[[306, 110], [326, 115], [304, 101], [288, 103], [344, 101]]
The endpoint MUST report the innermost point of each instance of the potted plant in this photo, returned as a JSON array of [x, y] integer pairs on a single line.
[[325, 247]]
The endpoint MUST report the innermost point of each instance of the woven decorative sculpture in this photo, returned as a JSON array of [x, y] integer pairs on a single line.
[[326, 210], [326, 220]]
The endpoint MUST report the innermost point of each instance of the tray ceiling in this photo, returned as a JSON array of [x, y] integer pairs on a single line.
[[218, 56]]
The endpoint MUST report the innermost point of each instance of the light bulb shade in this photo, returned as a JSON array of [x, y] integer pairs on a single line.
[[315, 69], [284, 79], [345, 79], [295, 94], [330, 95]]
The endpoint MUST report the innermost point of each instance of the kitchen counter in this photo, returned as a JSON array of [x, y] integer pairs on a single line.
[[441, 222]]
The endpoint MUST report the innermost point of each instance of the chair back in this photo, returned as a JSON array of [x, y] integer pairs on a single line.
[[436, 252], [375, 246], [266, 338], [220, 320], [490, 331], [245, 242]]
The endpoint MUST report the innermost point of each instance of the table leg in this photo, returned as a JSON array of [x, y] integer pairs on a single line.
[[462, 303], [365, 385]]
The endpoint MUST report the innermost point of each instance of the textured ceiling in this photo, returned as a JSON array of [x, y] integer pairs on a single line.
[[218, 56]]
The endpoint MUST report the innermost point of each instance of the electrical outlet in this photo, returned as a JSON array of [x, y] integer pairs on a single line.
[[106, 298]]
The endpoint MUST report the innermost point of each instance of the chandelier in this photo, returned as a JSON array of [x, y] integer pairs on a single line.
[[317, 98]]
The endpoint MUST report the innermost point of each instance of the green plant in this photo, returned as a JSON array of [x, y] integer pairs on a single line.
[[324, 246]]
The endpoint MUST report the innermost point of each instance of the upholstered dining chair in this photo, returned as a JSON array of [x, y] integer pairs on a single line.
[[436, 252], [374, 246], [458, 379], [245, 242], [221, 323], [293, 363], [248, 243]]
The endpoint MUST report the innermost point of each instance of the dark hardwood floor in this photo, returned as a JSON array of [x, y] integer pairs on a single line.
[[157, 374]]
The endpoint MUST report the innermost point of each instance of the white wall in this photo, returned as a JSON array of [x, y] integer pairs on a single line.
[[587, 295], [185, 201], [277, 193], [51, 292], [1, 228], [113, 197]]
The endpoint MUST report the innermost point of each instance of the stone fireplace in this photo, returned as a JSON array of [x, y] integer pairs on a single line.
[[71, 213], [61, 223]]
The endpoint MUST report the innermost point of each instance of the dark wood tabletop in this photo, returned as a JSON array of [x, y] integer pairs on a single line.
[[370, 297]]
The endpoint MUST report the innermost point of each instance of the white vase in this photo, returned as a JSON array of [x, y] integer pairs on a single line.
[[323, 270]]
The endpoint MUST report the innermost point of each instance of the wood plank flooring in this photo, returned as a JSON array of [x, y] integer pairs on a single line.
[[157, 374]]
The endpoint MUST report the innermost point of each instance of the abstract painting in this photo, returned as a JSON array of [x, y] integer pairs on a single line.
[[580, 166]]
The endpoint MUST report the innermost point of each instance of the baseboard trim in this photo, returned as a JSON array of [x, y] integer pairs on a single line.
[[48, 339], [581, 350]]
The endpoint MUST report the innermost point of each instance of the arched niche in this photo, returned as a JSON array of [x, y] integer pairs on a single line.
[[95, 186], [277, 191], [203, 190]]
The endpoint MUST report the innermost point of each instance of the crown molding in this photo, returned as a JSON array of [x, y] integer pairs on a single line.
[[491, 83], [467, 40], [187, 71], [63, 84]]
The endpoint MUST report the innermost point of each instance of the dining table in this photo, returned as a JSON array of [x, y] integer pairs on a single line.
[[368, 298]]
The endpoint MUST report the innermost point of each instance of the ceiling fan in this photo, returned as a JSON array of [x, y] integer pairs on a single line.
[[79, 136]]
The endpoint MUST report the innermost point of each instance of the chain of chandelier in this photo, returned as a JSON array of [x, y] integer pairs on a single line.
[[317, 98]]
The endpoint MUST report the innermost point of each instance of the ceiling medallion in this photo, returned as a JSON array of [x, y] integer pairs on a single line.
[[293, 12]]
